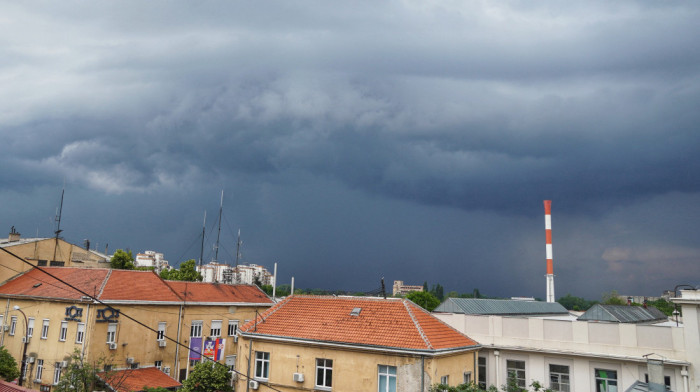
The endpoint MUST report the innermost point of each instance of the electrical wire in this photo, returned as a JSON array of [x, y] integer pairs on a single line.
[[266, 384]]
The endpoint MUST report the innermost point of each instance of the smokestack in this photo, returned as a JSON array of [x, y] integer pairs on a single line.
[[550, 263]]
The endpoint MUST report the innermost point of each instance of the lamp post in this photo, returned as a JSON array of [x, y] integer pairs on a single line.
[[23, 365]]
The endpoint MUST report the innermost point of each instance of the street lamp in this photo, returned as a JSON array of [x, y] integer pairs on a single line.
[[23, 366]]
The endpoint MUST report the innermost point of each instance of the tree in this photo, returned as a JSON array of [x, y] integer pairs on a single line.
[[8, 366], [571, 302], [79, 376], [122, 260], [187, 272], [663, 306], [208, 377], [613, 298], [424, 299]]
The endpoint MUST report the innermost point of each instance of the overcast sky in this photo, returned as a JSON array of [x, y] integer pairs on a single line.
[[358, 140]]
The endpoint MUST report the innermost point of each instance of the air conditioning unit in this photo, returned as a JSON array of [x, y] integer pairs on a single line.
[[30, 359], [6, 328], [299, 377], [130, 360], [234, 376], [25, 339], [64, 364], [252, 384], [166, 370], [161, 343], [112, 346]]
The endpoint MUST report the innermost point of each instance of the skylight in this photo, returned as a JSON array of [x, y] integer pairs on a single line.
[[355, 311]]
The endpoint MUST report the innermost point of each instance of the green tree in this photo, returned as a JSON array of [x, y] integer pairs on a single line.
[[283, 290], [208, 377], [267, 288], [187, 272], [122, 260], [571, 302], [424, 299], [662, 305], [8, 366], [613, 298], [79, 376]]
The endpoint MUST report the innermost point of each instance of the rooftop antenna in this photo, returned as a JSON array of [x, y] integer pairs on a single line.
[[58, 225], [216, 247], [204, 227], [238, 247], [383, 289]]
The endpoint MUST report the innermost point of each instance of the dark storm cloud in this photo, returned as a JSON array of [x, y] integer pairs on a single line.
[[476, 111]]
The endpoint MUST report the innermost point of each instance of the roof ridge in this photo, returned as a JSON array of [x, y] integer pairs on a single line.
[[417, 324], [104, 283]]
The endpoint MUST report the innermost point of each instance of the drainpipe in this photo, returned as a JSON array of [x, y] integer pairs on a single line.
[[422, 373], [250, 353], [497, 354], [684, 373], [4, 321], [176, 362]]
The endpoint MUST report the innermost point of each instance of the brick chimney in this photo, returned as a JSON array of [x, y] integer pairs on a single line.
[[14, 235]]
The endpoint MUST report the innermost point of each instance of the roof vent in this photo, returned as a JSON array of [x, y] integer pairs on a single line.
[[37, 285], [355, 311]]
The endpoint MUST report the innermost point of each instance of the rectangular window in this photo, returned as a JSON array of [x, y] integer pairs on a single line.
[[13, 325], [387, 378], [196, 329], [193, 362], [215, 328], [605, 380], [467, 377], [324, 373], [262, 365], [667, 380], [134, 365], [482, 372], [39, 369], [445, 380], [42, 263], [111, 333], [232, 327], [516, 372], [559, 378], [57, 373], [30, 327], [80, 334], [64, 331], [161, 331], [45, 329], [159, 365]]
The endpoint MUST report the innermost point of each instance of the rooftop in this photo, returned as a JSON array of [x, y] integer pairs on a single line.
[[623, 314], [129, 380], [503, 307], [360, 321]]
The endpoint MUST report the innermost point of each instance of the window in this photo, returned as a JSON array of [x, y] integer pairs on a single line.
[[605, 380], [56, 373], [667, 380], [111, 333], [108, 368], [387, 378], [161, 331], [158, 364], [196, 329], [215, 328], [232, 327], [64, 331], [445, 380], [80, 334], [45, 329], [39, 369], [30, 327], [13, 325], [516, 372], [559, 378], [42, 263], [324, 373], [467, 377], [262, 365], [193, 362], [231, 365], [134, 365], [482, 372]]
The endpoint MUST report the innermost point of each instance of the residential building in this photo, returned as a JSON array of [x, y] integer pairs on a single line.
[[43, 252], [352, 344], [689, 302], [242, 274], [153, 260], [594, 352], [403, 289], [204, 317]]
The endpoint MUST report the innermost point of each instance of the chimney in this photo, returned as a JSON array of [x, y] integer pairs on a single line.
[[87, 244], [14, 235], [548, 249], [655, 368]]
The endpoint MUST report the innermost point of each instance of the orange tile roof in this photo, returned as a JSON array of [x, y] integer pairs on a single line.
[[129, 380], [6, 386], [216, 292], [392, 323], [35, 283], [128, 285]]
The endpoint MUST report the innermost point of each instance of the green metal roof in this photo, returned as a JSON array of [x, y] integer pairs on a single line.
[[500, 307], [623, 314]]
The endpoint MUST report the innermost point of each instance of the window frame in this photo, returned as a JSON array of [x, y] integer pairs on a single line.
[[13, 325], [324, 368], [57, 373], [385, 371], [467, 377], [196, 329], [63, 332], [80, 333], [604, 379], [39, 370], [560, 375], [30, 327], [262, 365], [514, 371], [445, 380], [234, 324], [112, 333], [214, 331], [45, 329], [160, 335]]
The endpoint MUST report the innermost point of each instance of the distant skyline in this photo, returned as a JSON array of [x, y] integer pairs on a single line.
[[407, 140]]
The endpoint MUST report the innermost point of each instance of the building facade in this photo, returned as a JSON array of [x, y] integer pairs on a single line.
[[242, 274], [403, 289], [153, 260]]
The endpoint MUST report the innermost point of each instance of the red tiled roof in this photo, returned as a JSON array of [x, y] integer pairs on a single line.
[[394, 323], [6, 386], [214, 292], [38, 284], [127, 285], [136, 379]]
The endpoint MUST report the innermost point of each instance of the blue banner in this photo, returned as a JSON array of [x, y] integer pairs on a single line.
[[195, 348]]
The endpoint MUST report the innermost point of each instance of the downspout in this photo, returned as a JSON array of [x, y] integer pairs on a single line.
[[684, 373], [87, 318], [422, 373], [176, 362], [497, 354], [4, 321], [474, 367], [250, 353]]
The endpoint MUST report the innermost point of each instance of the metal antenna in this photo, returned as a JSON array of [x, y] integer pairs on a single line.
[[58, 226], [221, 209], [204, 227]]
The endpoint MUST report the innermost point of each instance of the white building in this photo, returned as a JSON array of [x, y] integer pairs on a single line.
[[243, 274], [151, 259], [567, 354]]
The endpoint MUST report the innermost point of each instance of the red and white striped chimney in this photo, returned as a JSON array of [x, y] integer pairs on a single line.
[[550, 263]]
